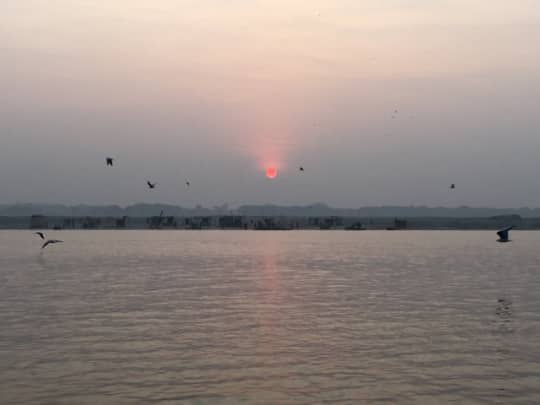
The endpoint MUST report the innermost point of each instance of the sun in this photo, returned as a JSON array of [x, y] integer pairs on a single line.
[[271, 172]]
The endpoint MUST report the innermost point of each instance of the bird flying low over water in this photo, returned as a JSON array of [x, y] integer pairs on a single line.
[[301, 168], [452, 186], [51, 241], [109, 161], [503, 234], [40, 234], [151, 185]]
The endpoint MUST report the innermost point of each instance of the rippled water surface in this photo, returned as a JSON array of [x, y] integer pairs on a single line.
[[122, 317]]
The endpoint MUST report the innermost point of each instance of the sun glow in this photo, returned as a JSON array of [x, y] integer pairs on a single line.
[[271, 172]]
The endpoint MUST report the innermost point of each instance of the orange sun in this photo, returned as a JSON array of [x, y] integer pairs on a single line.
[[271, 172]]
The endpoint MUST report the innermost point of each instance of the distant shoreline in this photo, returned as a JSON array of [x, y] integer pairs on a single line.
[[243, 222], [145, 210]]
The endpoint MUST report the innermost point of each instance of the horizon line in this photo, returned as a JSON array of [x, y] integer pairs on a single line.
[[233, 207]]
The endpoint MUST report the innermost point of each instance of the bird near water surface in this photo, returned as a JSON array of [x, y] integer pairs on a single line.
[[504, 234], [50, 242]]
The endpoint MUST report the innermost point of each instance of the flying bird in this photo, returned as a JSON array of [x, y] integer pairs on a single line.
[[503, 234], [40, 234], [151, 185], [452, 186], [188, 183], [109, 161], [301, 168], [51, 241]]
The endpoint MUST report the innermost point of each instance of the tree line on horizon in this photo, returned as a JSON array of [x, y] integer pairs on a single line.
[[319, 209]]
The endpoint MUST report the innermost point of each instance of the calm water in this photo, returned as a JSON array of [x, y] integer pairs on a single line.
[[121, 317]]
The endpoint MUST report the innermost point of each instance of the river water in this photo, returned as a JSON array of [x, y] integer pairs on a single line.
[[256, 317]]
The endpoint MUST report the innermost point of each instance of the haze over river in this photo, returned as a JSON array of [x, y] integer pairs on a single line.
[[255, 317]]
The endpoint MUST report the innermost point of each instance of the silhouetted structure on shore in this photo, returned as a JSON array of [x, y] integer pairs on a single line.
[[266, 222]]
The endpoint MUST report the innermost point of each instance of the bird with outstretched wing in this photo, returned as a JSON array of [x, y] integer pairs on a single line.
[[50, 242]]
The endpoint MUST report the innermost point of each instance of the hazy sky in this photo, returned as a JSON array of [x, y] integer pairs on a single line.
[[215, 91]]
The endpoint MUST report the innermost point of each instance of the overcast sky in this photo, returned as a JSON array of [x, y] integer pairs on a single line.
[[216, 91]]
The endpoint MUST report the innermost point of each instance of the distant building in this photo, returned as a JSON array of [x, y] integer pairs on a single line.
[[270, 224], [330, 222], [121, 223], [326, 222], [91, 222], [230, 221], [39, 222], [357, 226], [159, 222], [155, 222], [398, 224], [197, 222], [169, 222]]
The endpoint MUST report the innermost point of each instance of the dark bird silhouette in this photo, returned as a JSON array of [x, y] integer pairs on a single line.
[[40, 234], [151, 185], [51, 241], [188, 183], [452, 186], [301, 168], [109, 161], [504, 233]]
